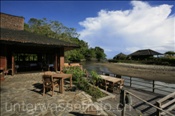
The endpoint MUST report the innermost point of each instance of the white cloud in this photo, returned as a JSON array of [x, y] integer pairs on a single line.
[[142, 27]]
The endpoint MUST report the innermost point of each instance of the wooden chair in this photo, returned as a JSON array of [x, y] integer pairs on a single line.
[[48, 83]]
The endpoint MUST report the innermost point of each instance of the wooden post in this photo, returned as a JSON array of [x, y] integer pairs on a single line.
[[3, 57], [153, 86], [61, 58], [130, 81], [56, 62], [158, 111], [123, 96], [13, 64], [6, 63]]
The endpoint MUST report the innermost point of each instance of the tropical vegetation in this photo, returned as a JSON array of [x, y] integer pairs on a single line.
[[83, 83], [167, 59], [55, 29]]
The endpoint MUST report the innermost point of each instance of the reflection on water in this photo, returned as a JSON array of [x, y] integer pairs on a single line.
[[136, 82], [93, 66]]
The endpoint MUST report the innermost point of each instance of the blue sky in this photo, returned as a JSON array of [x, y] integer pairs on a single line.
[[122, 26]]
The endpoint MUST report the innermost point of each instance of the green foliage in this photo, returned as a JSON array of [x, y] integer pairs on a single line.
[[52, 29], [95, 78], [77, 54], [74, 55], [82, 83], [170, 53], [76, 72], [99, 53], [155, 61], [168, 59], [90, 53], [55, 29]]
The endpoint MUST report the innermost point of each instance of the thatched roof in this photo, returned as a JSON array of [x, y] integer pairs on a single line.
[[120, 54], [9, 36], [146, 52]]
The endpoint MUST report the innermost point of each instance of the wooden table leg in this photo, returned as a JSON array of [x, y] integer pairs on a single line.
[[71, 82], [62, 85], [105, 86]]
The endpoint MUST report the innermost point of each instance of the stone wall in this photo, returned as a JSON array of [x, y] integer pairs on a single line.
[[12, 22]]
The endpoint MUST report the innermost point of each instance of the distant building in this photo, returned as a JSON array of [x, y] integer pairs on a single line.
[[144, 54], [120, 56]]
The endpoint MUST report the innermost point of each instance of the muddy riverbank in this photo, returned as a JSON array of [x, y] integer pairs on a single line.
[[149, 72]]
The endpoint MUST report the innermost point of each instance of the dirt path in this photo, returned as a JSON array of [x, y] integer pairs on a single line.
[[150, 72]]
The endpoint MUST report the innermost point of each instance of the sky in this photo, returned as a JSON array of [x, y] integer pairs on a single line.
[[115, 26]]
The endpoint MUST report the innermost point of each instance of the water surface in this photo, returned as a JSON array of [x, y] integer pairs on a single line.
[[160, 87]]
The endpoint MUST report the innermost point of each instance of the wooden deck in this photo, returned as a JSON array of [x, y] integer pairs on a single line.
[[138, 107]]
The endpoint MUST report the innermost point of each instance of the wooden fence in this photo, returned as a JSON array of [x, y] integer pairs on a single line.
[[148, 85], [160, 108], [164, 105]]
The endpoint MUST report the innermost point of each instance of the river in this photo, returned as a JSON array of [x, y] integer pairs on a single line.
[[159, 87]]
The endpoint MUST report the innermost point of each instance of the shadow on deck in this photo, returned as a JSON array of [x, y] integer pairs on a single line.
[[137, 107]]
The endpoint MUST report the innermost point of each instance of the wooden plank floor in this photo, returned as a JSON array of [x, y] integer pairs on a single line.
[[149, 97], [138, 107]]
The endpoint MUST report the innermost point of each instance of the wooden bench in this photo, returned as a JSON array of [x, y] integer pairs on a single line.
[[110, 82]]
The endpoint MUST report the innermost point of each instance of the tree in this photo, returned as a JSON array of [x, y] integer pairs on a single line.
[[99, 53], [55, 29], [52, 29], [90, 53], [77, 54], [170, 53]]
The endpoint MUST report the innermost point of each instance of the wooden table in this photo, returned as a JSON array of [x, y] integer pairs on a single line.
[[62, 77], [113, 80]]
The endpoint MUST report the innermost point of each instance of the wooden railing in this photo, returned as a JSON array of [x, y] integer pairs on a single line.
[[148, 85], [159, 108], [164, 105], [167, 103]]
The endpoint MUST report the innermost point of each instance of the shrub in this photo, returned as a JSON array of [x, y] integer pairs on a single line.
[[76, 72], [82, 83], [157, 61], [95, 78]]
